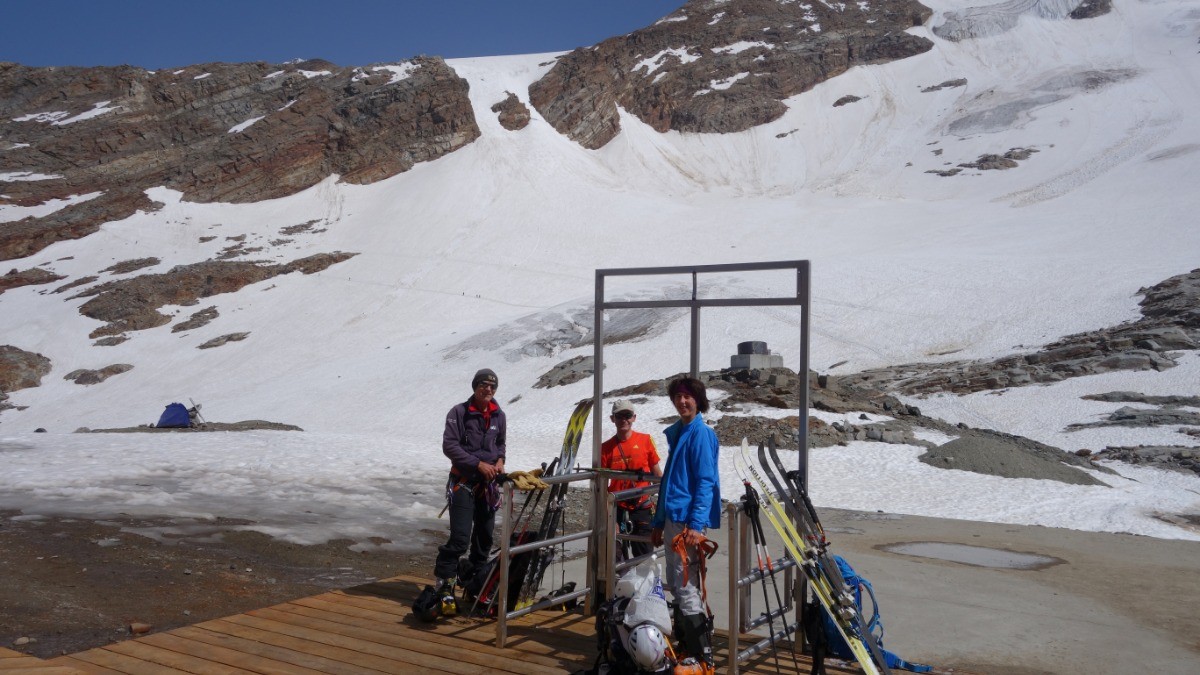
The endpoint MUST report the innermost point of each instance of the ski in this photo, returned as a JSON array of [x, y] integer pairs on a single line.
[[520, 535], [552, 517], [750, 505], [836, 601], [795, 498]]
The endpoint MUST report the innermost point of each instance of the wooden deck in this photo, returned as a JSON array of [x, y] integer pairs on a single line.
[[366, 629]]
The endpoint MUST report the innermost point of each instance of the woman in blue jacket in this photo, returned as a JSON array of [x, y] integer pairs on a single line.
[[689, 502]]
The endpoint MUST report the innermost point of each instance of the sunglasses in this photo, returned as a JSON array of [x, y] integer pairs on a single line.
[[624, 416], [486, 385]]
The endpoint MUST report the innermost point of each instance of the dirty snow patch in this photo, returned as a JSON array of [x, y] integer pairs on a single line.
[[655, 62], [721, 85], [25, 176], [246, 125], [739, 47], [12, 212]]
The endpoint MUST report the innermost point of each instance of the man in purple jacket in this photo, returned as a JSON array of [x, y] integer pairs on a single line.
[[474, 440]]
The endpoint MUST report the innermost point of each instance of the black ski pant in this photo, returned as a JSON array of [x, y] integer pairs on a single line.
[[639, 524], [471, 525]]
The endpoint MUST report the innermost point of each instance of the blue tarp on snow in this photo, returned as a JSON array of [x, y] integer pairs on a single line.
[[174, 416]]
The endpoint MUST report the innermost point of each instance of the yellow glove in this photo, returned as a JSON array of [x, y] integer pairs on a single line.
[[527, 480]]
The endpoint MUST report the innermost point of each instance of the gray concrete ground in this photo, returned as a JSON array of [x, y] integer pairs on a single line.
[[1115, 604]]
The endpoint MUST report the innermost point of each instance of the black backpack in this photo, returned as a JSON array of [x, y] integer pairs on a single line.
[[613, 659], [428, 605]]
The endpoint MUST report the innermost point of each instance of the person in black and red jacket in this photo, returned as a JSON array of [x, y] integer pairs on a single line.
[[474, 440]]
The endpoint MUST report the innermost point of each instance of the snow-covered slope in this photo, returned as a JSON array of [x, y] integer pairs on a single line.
[[472, 260]]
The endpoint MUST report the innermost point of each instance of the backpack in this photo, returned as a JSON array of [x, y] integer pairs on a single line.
[[833, 639], [611, 636]]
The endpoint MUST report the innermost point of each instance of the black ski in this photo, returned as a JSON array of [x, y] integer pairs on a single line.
[[552, 518]]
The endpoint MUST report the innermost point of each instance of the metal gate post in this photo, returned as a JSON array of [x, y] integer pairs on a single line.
[[733, 514]]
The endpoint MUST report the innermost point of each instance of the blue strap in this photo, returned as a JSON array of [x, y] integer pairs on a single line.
[[876, 620]]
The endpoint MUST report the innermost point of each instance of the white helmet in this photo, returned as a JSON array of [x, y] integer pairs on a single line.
[[647, 647]]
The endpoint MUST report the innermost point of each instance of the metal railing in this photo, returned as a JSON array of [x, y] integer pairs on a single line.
[[741, 578], [610, 569], [507, 552]]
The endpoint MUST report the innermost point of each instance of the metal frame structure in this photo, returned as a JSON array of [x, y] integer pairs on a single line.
[[598, 567], [741, 576], [507, 552]]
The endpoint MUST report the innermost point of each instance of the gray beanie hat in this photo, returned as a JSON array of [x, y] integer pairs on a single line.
[[485, 375]]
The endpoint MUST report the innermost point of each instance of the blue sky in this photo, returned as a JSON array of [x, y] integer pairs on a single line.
[[162, 33]]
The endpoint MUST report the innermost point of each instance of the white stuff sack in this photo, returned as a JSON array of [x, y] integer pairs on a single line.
[[647, 603]]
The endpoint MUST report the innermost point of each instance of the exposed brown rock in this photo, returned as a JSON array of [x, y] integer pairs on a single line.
[[132, 304], [948, 84], [513, 114], [721, 67], [1170, 322], [20, 369], [297, 229], [1006, 161], [30, 277], [84, 376], [30, 235], [173, 129], [201, 318], [224, 339], [127, 266], [1089, 9], [81, 281], [848, 98]]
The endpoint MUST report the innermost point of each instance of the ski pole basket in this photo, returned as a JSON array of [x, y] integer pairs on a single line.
[[742, 577]]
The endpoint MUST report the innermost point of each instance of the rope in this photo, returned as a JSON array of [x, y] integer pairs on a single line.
[[706, 547]]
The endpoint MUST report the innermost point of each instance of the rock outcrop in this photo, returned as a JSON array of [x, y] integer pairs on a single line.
[[132, 304], [85, 376], [513, 114], [20, 369], [720, 66], [31, 277], [215, 132], [224, 340], [1170, 322]]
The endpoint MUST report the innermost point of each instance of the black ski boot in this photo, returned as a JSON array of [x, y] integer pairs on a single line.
[[428, 605], [697, 642]]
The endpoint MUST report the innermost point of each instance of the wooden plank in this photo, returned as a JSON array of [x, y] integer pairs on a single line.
[[224, 655], [340, 660], [123, 663], [82, 666], [347, 613], [524, 634], [294, 661], [19, 661], [40, 669], [410, 640], [369, 651], [167, 657]]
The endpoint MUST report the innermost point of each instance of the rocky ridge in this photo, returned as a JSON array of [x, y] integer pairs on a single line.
[[879, 417], [215, 132], [720, 66], [132, 304], [1170, 322]]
